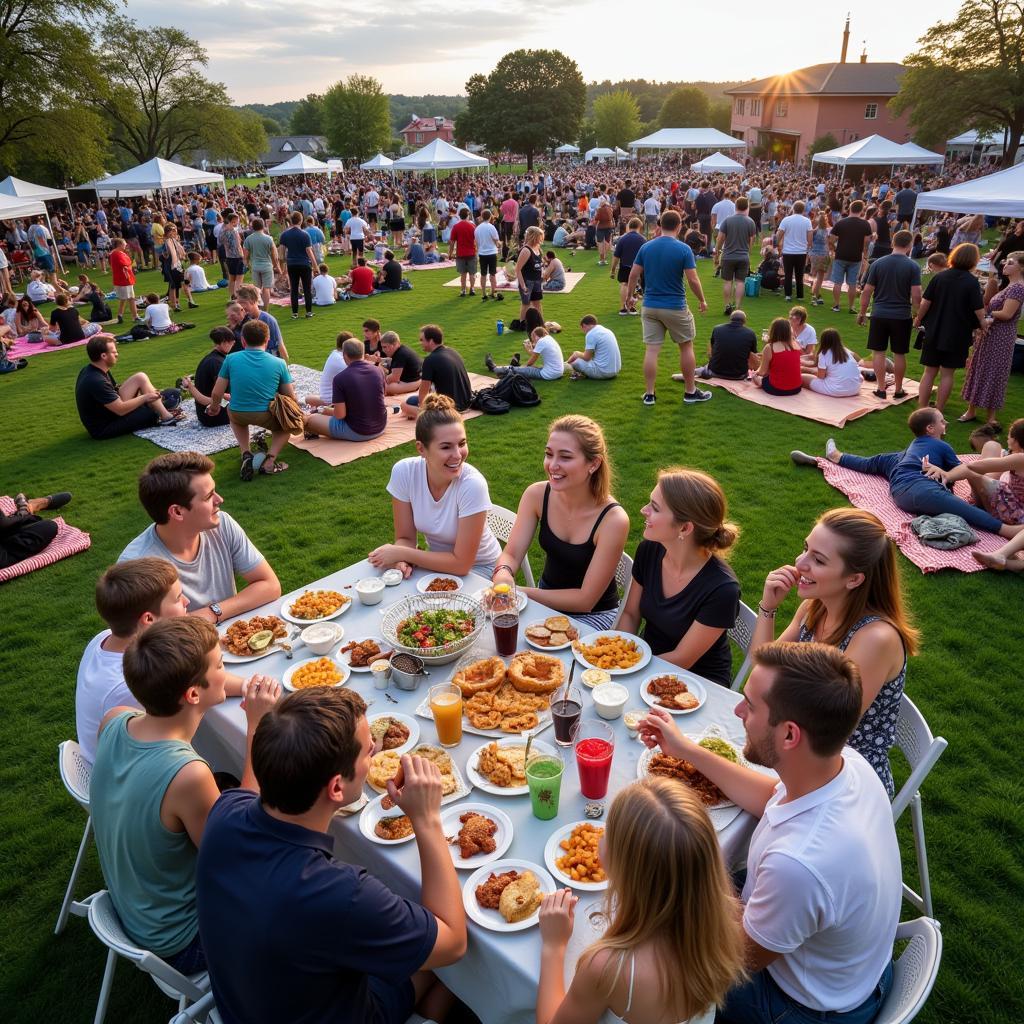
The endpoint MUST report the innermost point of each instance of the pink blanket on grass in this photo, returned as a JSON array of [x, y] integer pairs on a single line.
[[69, 541], [23, 348], [872, 494]]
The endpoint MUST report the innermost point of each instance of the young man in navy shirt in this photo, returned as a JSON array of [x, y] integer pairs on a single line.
[[293, 934]]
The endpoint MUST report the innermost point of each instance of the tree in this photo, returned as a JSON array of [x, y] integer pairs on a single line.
[[159, 102], [616, 119], [531, 101], [308, 116], [721, 115], [822, 144], [270, 125], [968, 73], [357, 117], [685, 107]]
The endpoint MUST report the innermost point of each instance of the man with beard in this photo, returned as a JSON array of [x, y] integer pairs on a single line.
[[823, 887]]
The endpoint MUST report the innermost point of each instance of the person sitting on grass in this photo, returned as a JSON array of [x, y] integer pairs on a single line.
[[24, 533], [325, 288], [540, 346], [732, 351], [201, 387], [553, 276], [803, 333], [389, 277], [670, 902], [270, 891], [822, 893], [30, 323], [195, 274], [150, 792], [69, 323], [769, 268], [157, 316], [207, 547], [443, 371], [361, 281], [359, 410], [91, 295], [778, 372], [334, 364], [600, 358], [255, 379], [833, 369], [248, 297], [404, 368], [108, 410]]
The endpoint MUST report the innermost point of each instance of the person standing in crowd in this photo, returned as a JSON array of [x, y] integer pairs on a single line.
[[298, 256], [261, 257], [732, 254], [530, 273], [231, 242], [849, 238], [623, 256], [463, 245], [124, 279], [509, 223], [487, 239], [794, 236]]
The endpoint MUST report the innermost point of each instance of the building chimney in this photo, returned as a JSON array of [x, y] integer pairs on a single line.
[[846, 39], [864, 54]]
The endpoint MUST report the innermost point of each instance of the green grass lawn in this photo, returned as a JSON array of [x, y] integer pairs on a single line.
[[314, 519]]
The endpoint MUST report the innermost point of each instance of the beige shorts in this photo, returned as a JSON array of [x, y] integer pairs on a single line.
[[124, 291], [254, 419], [679, 324], [263, 278]]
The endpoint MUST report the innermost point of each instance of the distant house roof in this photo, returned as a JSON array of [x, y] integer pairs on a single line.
[[427, 124], [284, 147], [882, 79]]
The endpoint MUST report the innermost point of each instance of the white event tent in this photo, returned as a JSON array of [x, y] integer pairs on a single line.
[[379, 162], [919, 155], [569, 149], [14, 208], [301, 163], [439, 155], [688, 138], [160, 174], [99, 186], [19, 189], [599, 153], [876, 151], [717, 163], [999, 195]]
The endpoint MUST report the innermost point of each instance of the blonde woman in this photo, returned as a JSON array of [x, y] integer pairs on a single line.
[[685, 593], [583, 529], [669, 903], [530, 272], [968, 229]]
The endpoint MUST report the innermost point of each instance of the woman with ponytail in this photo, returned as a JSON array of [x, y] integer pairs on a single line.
[[684, 592]]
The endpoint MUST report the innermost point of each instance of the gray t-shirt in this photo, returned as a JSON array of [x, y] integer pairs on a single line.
[[259, 247], [605, 347], [224, 552], [739, 230], [893, 276]]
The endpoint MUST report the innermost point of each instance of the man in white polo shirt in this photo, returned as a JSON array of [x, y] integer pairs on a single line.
[[824, 881]]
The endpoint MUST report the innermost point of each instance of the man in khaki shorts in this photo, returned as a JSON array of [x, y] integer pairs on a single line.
[[665, 262]]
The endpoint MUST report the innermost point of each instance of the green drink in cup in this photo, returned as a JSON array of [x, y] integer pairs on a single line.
[[544, 777]]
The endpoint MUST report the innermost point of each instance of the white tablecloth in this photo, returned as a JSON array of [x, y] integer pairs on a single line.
[[498, 976]]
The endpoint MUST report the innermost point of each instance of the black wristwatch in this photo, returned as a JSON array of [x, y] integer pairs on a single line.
[[216, 609]]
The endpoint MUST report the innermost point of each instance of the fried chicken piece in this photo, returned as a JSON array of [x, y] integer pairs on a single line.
[[488, 893], [362, 654], [520, 899], [491, 768], [476, 835], [666, 689], [393, 828], [676, 768], [519, 723]]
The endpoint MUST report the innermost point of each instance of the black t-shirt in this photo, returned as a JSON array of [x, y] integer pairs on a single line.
[[627, 200], [529, 217], [392, 271], [731, 345], [445, 369], [99, 311], [408, 362], [94, 390], [711, 598], [68, 323], [705, 200], [205, 379], [851, 232]]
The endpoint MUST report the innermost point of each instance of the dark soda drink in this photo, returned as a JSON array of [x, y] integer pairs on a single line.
[[565, 714], [506, 633]]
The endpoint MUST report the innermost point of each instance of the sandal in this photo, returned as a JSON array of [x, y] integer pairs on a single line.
[[966, 419], [880, 394], [899, 394], [246, 472], [278, 467]]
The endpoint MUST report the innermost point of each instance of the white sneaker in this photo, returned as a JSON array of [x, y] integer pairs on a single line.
[[830, 448]]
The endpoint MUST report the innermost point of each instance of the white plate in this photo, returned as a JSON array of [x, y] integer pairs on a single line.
[[542, 647], [286, 681], [492, 919], [693, 684], [645, 651], [242, 659], [286, 604], [344, 656], [410, 723], [372, 813], [644, 761], [461, 788], [482, 782], [552, 851], [422, 584], [450, 825], [521, 599]]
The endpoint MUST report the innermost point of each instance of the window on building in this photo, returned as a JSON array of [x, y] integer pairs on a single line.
[[741, 106], [781, 108], [755, 107], [287, 147], [419, 136], [870, 111]]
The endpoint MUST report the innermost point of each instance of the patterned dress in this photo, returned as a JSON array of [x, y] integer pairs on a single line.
[[985, 385], [876, 731]]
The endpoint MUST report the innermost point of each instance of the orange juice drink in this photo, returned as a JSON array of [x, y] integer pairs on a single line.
[[446, 707]]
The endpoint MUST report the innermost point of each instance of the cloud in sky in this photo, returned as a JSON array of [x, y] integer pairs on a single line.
[[269, 51]]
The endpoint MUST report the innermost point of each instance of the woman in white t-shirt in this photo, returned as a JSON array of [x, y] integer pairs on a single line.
[[158, 314], [541, 346], [803, 333], [440, 495], [837, 372]]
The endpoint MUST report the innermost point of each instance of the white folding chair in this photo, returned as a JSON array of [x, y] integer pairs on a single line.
[[914, 973], [623, 580], [921, 750], [501, 520], [76, 775], [205, 1010], [105, 924], [742, 635]]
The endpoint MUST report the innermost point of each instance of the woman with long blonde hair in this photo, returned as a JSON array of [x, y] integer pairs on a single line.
[[530, 272], [583, 529], [674, 942], [848, 579]]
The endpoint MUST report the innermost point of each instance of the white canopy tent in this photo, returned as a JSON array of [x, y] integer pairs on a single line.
[[301, 163], [439, 155], [620, 153], [688, 138], [14, 208], [160, 174], [717, 163], [999, 195], [599, 153], [99, 186], [20, 189], [876, 151], [379, 162], [568, 149], [919, 155]]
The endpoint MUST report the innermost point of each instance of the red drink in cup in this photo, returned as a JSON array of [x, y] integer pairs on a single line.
[[595, 744], [504, 602]]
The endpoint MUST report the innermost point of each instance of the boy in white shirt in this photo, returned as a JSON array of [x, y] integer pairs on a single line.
[[325, 288], [196, 275], [158, 314]]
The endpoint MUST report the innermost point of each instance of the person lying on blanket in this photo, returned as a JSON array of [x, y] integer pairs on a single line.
[[915, 474], [24, 533]]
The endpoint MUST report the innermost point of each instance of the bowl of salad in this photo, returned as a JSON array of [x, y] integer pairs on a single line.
[[436, 631]]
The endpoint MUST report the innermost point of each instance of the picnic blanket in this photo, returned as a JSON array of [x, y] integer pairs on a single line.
[[508, 284], [440, 265], [69, 541], [835, 412], [872, 493], [23, 348]]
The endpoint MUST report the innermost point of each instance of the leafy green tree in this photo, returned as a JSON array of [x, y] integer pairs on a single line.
[[532, 100], [588, 135], [968, 73], [357, 117], [822, 144], [308, 116], [616, 119], [270, 125], [721, 115], [685, 107]]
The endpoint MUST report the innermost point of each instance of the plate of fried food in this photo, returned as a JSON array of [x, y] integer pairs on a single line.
[[394, 732], [253, 638], [505, 895], [359, 655], [315, 606], [554, 633], [440, 584], [477, 834], [385, 825], [616, 652], [571, 856], [674, 692], [384, 766], [315, 672], [499, 767]]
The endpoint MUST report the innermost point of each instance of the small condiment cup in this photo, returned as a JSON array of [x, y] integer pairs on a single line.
[[370, 590], [610, 699], [322, 636], [381, 672], [632, 719]]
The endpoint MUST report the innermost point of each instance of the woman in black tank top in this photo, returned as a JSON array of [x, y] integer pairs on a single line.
[[583, 529]]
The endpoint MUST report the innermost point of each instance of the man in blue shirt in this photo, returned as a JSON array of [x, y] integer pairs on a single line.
[[626, 248], [664, 262], [300, 260], [295, 935]]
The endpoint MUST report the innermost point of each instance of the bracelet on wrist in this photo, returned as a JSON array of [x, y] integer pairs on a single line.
[[498, 569], [768, 613]]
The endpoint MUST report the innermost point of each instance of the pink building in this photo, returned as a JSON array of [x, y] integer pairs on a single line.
[[421, 130]]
